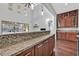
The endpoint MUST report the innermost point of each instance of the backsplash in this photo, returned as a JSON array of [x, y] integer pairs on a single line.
[[11, 39]]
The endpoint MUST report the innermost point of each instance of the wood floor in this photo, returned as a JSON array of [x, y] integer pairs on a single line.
[[66, 48]]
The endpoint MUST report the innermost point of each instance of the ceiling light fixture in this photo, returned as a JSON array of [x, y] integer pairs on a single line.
[[29, 5], [42, 12], [32, 6]]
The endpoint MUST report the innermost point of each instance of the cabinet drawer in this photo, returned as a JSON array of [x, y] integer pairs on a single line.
[[27, 52]]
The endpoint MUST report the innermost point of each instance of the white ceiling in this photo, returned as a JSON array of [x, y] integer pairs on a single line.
[[64, 7]]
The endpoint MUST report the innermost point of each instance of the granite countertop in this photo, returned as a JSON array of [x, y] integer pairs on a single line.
[[10, 50]]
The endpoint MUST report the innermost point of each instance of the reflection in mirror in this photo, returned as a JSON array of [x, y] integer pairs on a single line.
[[8, 27], [21, 27]]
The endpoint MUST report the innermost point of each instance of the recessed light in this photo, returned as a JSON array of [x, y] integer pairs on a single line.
[[42, 13], [32, 6]]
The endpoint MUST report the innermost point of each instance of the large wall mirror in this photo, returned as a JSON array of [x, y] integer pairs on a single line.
[[8, 27]]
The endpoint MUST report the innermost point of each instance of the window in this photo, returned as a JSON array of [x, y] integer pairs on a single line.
[[8, 27]]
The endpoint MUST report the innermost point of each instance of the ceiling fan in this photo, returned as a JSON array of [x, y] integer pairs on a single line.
[[30, 5]]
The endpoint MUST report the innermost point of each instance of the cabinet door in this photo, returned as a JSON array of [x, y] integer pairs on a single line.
[[45, 48], [61, 20], [63, 35], [73, 36], [39, 49], [68, 19], [68, 22], [51, 46], [28, 52], [58, 35], [67, 35]]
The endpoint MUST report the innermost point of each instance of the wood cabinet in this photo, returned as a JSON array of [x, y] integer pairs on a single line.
[[51, 45], [39, 49], [67, 19], [68, 35], [44, 48], [71, 36], [58, 35], [61, 35], [27, 52]]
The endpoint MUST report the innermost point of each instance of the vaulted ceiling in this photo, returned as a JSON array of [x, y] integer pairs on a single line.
[[64, 7]]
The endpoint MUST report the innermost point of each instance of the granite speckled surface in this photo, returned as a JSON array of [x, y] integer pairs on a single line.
[[11, 39], [11, 50], [10, 44]]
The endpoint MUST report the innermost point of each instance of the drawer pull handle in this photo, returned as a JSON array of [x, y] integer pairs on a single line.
[[39, 46], [28, 54], [46, 41], [50, 38]]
